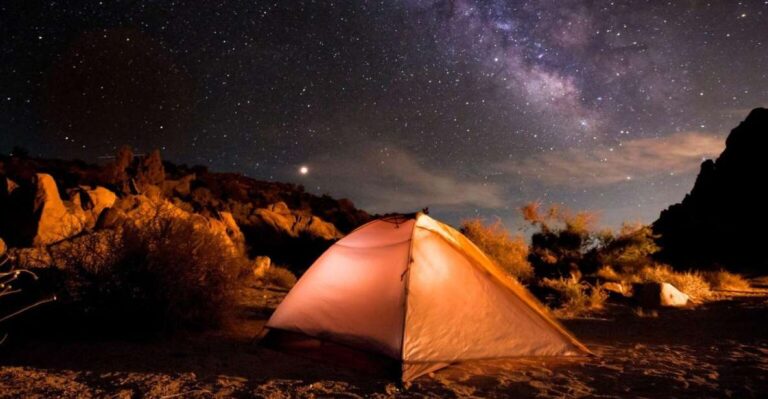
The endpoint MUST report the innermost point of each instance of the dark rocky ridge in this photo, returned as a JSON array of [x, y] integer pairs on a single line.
[[280, 220], [722, 221]]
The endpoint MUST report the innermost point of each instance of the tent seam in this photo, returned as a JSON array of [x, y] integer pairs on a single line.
[[406, 288]]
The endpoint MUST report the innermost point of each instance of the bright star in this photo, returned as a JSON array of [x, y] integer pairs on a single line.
[[303, 170]]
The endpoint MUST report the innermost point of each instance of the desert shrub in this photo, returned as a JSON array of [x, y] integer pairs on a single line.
[[509, 252], [696, 284], [723, 280], [171, 272], [564, 244], [574, 298], [630, 250], [279, 277]]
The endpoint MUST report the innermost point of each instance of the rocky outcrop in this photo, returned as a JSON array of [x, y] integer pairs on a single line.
[[33, 213], [721, 223], [273, 218], [280, 218]]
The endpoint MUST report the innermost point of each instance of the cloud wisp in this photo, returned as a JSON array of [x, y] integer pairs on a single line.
[[392, 179], [636, 159]]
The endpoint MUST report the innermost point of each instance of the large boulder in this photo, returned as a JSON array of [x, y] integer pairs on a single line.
[[655, 295], [55, 219]]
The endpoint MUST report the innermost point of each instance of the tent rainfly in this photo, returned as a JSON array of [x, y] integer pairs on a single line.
[[418, 291]]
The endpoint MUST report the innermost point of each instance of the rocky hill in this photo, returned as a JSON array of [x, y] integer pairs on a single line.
[[46, 201], [721, 222]]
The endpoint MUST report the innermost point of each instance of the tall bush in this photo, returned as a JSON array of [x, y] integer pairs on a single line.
[[508, 251]]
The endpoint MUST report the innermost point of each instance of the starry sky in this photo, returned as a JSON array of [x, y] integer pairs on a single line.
[[468, 107]]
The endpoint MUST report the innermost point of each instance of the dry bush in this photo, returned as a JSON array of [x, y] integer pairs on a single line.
[[629, 251], [607, 273], [723, 280], [564, 244], [169, 273], [575, 298], [628, 257], [279, 277], [509, 252], [12, 284], [695, 284]]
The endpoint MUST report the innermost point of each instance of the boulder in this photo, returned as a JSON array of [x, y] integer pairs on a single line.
[[180, 187], [261, 266], [655, 295], [93, 202], [232, 229], [110, 218], [56, 220], [223, 224]]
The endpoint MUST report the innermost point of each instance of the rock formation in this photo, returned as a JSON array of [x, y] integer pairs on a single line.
[[55, 219], [34, 213], [720, 223], [272, 218], [279, 217], [92, 201]]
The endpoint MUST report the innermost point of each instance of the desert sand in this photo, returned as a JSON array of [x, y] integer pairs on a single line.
[[717, 349]]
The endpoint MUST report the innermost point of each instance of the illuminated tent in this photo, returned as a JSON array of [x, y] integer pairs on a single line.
[[418, 291]]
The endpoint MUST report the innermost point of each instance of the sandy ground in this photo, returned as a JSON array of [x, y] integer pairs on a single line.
[[719, 349]]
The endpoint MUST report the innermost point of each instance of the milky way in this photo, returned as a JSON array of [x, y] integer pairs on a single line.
[[468, 107]]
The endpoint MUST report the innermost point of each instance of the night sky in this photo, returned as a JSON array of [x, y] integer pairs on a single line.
[[470, 108]]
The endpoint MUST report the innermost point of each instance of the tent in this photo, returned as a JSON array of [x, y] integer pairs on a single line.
[[416, 290]]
